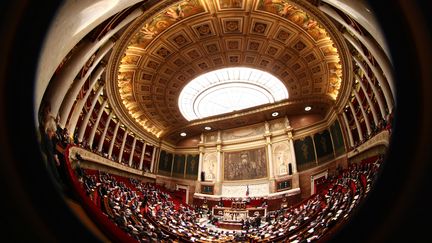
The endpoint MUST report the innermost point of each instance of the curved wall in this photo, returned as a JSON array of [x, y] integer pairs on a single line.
[[309, 145]]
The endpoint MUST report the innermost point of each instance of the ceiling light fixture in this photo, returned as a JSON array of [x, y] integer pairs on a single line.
[[275, 113], [183, 134], [308, 108], [207, 128]]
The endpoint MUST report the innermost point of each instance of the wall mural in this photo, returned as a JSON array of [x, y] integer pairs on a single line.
[[304, 151], [245, 165], [179, 165], [323, 146], [281, 157], [210, 166], [192, 166], [165, 163], [337, 137]]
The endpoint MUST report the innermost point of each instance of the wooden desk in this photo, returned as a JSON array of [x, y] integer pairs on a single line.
[[251, 212], [230, 226]]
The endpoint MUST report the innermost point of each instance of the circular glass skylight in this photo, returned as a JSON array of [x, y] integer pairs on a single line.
[[229, 89]]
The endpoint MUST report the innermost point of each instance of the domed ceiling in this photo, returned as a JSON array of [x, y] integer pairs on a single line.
[[173, 42]]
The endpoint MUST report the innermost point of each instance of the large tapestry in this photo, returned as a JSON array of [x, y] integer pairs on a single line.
[[323, 146], [337, 137], [245, 165], [179, 165], [192, 166], [165, 163], [304, 151]]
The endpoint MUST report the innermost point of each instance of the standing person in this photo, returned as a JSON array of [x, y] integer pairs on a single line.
[[49, 141]]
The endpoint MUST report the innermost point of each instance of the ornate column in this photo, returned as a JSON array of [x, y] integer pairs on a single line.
[[87, 117], [132, 151], [157, 158], [142, 156], [60, 84], [102, 138], [374, 88], [372, 107], [113, 140], [153, 159], [375, 50], [332, 142], [293, 158], [357, 123], [351, 140], [218, 184], [267, 136], [201, 154], [77, 84], [288, 130], [96, 124], [314, 147], [200, 162], [80, 103], [123, 145], [386, 84], [365, 117]]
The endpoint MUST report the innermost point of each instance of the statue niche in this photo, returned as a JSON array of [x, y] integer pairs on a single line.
[[282, 157], [209, 166]]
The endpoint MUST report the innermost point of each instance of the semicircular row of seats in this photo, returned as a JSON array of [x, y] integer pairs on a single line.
[[147, 212]]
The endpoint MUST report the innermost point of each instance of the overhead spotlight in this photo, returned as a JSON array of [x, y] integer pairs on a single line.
[[308, 108], [207, 128], [183, 134], [275, 113]]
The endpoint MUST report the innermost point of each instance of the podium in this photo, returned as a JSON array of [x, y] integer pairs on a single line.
[[232, 217]]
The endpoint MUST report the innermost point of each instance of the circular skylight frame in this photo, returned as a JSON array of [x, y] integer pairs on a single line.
[[266, 88]]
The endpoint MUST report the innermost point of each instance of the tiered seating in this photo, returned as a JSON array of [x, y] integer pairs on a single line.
[[147, 212]]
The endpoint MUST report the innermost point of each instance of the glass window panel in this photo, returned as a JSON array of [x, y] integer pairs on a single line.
[[229, 89]]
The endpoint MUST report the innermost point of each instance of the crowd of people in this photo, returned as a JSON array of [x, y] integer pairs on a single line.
[[55, 139], [383, 125], [148, 213]]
